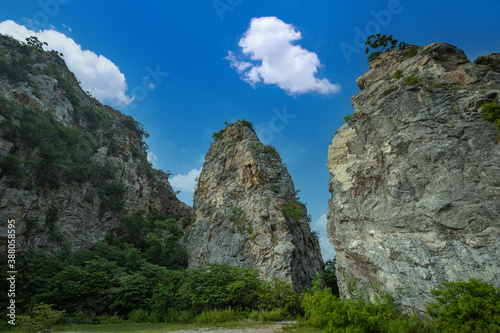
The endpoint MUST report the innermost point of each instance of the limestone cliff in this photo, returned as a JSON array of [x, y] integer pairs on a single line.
[[415, 174], [247, 214], [69, 166]]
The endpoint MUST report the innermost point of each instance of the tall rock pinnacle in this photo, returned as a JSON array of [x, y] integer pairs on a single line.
[[247, 214]]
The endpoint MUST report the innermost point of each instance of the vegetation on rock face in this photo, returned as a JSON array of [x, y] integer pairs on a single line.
[[48, 154], [480, 60], [412, 80], [381, 44], [491, 112], [240, 123], [350, 117], [293, 212]]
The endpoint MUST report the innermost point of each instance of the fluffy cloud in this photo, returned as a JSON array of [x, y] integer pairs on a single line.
[[185, 182], [276, 60], [96, 73]]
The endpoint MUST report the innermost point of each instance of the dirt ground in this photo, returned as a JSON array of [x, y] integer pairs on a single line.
[[271, 328]]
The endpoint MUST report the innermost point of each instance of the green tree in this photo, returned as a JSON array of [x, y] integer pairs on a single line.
[[41, 317], [460, 306], [35, 43], [219, 286], [330, 276], [380, 44]]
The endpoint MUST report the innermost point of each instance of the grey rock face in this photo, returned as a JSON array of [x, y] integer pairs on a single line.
[[415, 176], [75, 209], [242, 193]]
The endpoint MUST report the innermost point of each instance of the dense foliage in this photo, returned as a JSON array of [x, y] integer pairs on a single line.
[[460, 306], [330, 276]]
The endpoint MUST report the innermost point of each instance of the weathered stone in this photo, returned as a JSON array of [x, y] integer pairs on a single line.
[[78, 221], [239, 205], [415, 176]]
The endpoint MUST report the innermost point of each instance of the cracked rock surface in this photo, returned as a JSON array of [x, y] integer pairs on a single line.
[[239, 209], [415, 175]]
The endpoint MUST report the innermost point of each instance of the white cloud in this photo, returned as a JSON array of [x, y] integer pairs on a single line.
[[97, 74], [153, 159], [275, 60], [185, 182]]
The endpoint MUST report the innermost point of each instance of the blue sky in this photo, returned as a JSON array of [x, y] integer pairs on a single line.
[[184, 68]]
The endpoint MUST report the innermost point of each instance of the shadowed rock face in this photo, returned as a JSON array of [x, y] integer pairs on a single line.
[[242, 193], [415, 176]]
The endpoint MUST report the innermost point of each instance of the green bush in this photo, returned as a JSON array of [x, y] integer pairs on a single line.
[[491, 112], [41, 317], [69, 91], [136, 288], [165, 296], [112, 197], [135, 126], [109, 319], [156, 236], [96, 117], [142, 316], [350, 117], [276, 314], [412, 80], [85, 288], [480, 60], [4, 66], [398, 74], [381, 44], [271, 150], [217, 316], [472, 306], [279, 294], [11, 165], [219, 286], [356, 314], [293, 212], [246, 123], [412, 52], [218, 135]]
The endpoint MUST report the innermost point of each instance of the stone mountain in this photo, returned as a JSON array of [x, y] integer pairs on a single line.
[[69, 166], [415, 175], [246, 212]]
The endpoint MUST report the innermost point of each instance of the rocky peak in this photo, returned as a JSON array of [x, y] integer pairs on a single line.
[[415, 174], [247, 213]]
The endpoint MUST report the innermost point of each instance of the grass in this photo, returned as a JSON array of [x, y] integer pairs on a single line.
[[151, 327], [300, 327], [217, 316]]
